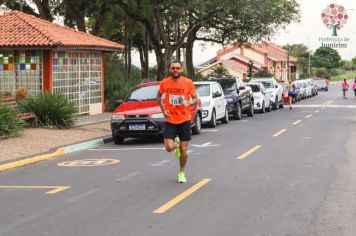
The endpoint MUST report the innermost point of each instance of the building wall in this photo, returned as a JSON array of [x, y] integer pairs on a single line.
[[254, 55], [230, 70], [78, 75], [21, 69]]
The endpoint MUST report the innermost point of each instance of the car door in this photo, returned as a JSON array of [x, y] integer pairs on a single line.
[[243, 93], [222, 101], [217, 95]]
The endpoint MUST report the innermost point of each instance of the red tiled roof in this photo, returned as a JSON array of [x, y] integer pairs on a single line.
[[247, 60], [274, 52], [236, 65], [22, 30]]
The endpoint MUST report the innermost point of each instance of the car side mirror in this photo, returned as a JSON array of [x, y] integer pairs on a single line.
[[242, 87], [217, 94], [276, 86]]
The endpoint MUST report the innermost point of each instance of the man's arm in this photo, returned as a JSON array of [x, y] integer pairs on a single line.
[[159, 100]]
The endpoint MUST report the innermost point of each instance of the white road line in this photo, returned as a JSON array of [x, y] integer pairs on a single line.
[[209, 130], [128, 177], [297, 122], [160, 163], [125, 149], [317, 111], [74, 199], [308, 116]]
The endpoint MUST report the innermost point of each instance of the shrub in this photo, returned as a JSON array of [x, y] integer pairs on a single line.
[[21, 94], [9, 124], [52, 110], [115, 90]]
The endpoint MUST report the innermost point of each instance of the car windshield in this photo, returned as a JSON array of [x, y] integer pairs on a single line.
[[267, 84], [146, 93], [203, 89], [255, 88], [227, 85]]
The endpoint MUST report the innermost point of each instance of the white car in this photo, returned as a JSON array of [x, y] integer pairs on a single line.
[[302, 89], [261, 97], [213, 103], [274, 89]]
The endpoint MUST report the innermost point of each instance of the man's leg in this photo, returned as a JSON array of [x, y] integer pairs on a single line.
[[183, 155], [170, 133]]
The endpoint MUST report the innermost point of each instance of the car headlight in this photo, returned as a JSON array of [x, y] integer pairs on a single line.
[[157, 116], [205, 104], [117, 117]]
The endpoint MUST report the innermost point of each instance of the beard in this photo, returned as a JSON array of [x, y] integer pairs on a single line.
[[175, 75]]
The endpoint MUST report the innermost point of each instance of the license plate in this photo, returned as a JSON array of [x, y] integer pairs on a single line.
[[137, 127]]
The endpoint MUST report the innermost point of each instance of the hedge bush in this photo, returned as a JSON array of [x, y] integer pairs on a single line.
[[53, 110], [9, 125]]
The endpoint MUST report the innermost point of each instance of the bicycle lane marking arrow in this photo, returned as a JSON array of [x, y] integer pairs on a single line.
[[208, 144]]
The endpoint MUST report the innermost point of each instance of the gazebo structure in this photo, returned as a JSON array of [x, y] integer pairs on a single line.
[[42, 56]]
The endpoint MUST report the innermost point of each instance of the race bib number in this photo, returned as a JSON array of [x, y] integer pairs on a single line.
[[176, 100]]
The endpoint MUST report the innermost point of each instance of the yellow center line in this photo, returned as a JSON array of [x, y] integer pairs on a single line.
[[297, 122], [279, 132], [55, 189], [249, 152], [308, 116], [181, 196]]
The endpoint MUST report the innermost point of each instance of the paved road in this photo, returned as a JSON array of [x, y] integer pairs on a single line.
[[281, 173]]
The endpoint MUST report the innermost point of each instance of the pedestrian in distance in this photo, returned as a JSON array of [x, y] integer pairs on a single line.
[[292, 92], [354, 87], [345, 88], [180, 94]]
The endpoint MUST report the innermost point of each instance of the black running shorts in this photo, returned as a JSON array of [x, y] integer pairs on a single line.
[[183, 130]]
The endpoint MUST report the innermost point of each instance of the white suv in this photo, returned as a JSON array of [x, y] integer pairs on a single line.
[[213, 103], [275, 91]]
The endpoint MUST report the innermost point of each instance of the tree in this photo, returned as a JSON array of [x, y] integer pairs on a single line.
[[327, 58], [301, 52], [219, 71]]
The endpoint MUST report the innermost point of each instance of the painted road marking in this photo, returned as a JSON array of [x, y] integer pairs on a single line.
[[210, 130], [128, 177], [88, 162], [181, 197], [55, 189], [208, 144], [249, 152], [297, 122], [74, 199], [31, 160], [279, 132], [308, 116], [160, 163], [317, 111]]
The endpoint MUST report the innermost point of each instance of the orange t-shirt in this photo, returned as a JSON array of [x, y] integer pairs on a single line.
[[175, 92]]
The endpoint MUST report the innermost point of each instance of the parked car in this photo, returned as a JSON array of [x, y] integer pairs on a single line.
[[302, 89], [286, 94], [213, 102], [274, 90], [261, 97], [321, 84], [139, 114], [239, 97]]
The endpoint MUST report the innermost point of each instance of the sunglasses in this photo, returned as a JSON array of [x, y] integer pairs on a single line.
[[175, 68]]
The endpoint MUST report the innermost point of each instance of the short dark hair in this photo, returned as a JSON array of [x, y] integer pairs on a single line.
[[176, 61]]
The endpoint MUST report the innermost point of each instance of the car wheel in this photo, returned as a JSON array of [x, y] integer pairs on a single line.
[[250, 111], [118, 140], [197, 127], [212, 123], [263, 109], [269, 108], [225, 120], [275, 105], [238, 113]]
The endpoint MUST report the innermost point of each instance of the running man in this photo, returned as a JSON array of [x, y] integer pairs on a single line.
[[180, 93]]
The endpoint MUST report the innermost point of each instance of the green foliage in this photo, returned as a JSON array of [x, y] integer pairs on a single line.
[[321, 72], [116, 87], [219, 71], [326, 57], [262, 74], [341, 77], [53, 110], [9, 125]]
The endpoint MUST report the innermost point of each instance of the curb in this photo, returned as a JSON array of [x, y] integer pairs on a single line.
[[59, 152]]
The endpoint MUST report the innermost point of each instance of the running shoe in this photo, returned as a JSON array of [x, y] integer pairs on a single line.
[[181, 177], [177, 150]]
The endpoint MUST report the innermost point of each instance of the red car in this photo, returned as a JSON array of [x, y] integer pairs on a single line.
[[139, 115]]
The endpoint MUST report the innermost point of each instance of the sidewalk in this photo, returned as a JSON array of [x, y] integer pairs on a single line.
[[39, 140]]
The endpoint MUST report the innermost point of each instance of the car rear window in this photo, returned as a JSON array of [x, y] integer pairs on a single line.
[[146, 93], [255, 88], [227, 85], [203, 89]]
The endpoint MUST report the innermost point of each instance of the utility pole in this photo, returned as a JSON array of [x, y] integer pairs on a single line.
[[288, 62], [308, 57]]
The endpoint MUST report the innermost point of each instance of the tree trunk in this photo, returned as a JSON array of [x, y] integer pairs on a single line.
[[163, 62], [44, 9], [189, 53]]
